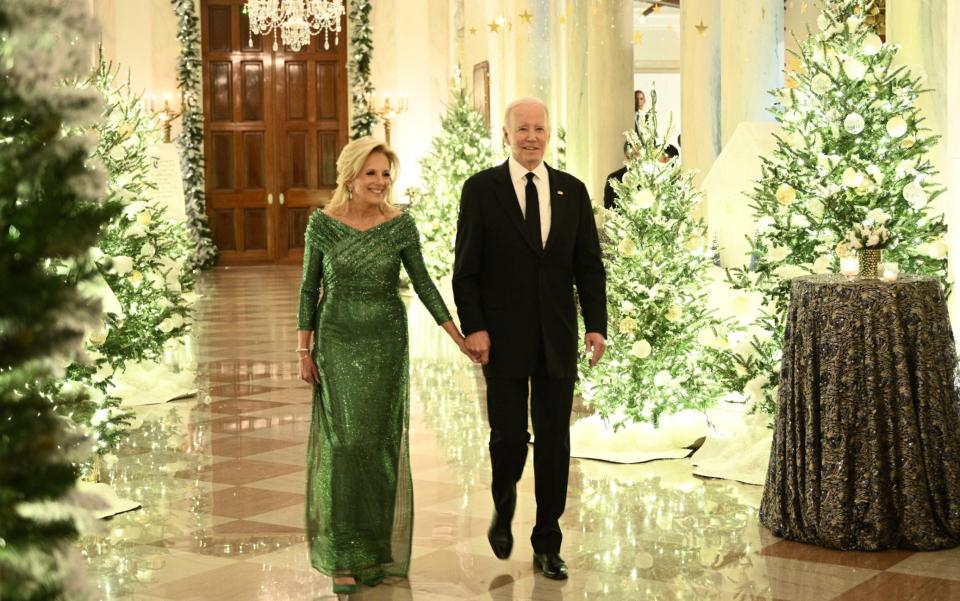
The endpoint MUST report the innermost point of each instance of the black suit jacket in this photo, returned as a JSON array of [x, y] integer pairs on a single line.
[[522, 295], [609, 195]]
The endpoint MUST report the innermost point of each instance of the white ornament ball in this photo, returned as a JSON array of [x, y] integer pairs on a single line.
[[662, 378], [122, 265], [896, 126], [786, 194], [915, 194], [872, 44], [816, 207], [627, 247], [643, 199], [937, 249], [854, 69], [852, 178], [640, 349], [821, 83], [854, 123]]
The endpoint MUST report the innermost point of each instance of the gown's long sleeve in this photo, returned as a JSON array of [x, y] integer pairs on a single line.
[[412, 258], [310, 284]]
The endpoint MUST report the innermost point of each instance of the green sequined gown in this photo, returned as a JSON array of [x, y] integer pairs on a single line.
[[359, 488]]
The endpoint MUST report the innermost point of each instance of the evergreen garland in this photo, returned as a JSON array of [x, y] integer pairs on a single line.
[[50, 212], [852, 153], [190, 141], [358, 69]]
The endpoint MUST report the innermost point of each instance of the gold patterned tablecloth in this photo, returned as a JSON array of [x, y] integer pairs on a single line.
[[866, 450]]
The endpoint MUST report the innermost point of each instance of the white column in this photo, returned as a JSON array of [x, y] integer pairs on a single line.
[[611, 90], [929, 34], [700, 84], [577, 90], [411, 46], [751, 61], [599, 88]]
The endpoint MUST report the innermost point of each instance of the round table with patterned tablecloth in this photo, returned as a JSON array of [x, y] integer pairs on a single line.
[[866, 447]]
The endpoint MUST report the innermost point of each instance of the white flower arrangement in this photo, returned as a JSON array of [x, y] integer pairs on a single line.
[[868, 236]]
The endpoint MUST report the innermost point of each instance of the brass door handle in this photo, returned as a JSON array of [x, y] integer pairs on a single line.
[[269, 199]]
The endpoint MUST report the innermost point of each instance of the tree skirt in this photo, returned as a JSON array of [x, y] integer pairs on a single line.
[[735, 445], [153, 383], [739, 449], [108, 503], [592, 438]]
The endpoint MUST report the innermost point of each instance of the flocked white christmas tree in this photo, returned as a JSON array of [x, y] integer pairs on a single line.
[[141, 258], [462, 148], [662, 353], [851, 154]]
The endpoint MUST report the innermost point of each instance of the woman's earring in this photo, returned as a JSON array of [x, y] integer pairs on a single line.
[[349, 193]]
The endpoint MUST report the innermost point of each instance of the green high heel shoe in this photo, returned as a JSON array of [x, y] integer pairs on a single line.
[[344, 588], [372, 577]]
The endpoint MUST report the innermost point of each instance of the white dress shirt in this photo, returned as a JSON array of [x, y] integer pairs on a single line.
[[518, 175]]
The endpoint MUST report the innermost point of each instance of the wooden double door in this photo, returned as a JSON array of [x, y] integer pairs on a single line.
[[274, 124]]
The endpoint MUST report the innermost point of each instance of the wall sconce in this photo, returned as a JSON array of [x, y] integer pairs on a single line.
[[388, 111], [166, 115]]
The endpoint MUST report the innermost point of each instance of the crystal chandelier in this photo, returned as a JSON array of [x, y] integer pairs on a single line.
[[296, 20]]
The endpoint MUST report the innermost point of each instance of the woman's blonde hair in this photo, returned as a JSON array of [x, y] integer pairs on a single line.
[[350, 163]]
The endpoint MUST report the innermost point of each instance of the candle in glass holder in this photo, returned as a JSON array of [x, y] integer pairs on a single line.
[[889, 272], [849, 266]]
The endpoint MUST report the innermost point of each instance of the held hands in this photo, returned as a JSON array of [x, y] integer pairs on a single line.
[[594, 343], [308, 369], [477, 347]]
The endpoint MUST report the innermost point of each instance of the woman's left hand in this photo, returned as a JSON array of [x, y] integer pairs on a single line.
[[308, 369]]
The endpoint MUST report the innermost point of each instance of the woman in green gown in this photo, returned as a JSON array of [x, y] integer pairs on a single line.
[[359, 489]]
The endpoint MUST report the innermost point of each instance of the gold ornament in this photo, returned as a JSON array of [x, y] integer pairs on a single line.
[[526, 17], [701, 28]]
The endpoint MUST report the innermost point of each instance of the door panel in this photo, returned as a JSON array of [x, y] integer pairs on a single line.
[[312, 128], [275, 123]]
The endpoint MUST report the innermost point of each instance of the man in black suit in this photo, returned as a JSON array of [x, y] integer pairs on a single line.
[[609, 195], [525, 236]]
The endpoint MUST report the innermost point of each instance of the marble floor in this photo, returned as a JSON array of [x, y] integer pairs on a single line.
[[221, 479]]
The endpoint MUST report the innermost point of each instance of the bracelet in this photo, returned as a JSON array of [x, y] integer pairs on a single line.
[[303, 350]]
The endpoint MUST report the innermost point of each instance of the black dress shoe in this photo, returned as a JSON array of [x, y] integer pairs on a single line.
[[551, 564], [500, 537]]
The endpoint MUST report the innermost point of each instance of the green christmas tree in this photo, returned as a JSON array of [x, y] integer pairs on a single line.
[[662, 352], [50, 213], [851, 154], [462, 148], [142, 259]]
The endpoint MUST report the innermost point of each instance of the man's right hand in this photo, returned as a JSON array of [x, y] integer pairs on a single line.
[[478, 345]]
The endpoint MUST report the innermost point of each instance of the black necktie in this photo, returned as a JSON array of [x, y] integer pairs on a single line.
[[533, 211]]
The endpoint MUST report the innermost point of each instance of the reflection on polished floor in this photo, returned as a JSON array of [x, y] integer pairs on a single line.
[[222, 484]]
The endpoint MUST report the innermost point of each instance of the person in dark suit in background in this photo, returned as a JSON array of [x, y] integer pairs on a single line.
[[609, 195], [525, 237], [669, 153]]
